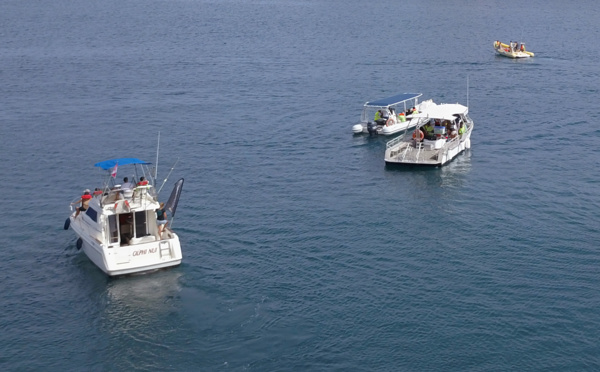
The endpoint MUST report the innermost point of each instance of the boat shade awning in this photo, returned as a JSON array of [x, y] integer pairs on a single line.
[[109, 164], [384, 102], [446, 111]]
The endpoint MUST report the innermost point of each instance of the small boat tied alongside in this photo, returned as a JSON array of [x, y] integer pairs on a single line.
[[117, 225], [512, 50], [390, 115], [444, 132]]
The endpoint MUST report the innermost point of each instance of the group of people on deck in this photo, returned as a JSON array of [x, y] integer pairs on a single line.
[[383, 116], [126, 189], [513, 46], [450, 129]]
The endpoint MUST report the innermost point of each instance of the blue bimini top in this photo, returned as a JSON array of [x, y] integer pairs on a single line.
[[109, 164], [384, 102]]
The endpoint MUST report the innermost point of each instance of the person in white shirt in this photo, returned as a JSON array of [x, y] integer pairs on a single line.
[[127, 187]]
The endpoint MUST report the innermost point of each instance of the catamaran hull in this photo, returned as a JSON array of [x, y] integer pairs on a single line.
[[436, 158]]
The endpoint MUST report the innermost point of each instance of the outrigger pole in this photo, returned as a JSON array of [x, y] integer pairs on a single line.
[[156, 164], [165, 181]]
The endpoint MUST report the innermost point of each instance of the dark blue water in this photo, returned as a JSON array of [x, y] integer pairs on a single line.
[[302, 251]]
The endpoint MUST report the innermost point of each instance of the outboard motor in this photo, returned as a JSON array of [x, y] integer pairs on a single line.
[[372, 128]]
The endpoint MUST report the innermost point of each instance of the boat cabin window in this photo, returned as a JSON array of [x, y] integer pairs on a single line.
[[91, 212], [113, 228]]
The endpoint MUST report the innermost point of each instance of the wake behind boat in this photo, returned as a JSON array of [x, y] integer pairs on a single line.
[[119, 230], [446, 132], [512, 50], [390, 115]]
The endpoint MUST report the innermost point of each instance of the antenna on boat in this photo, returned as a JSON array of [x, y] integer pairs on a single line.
[[467, 90]]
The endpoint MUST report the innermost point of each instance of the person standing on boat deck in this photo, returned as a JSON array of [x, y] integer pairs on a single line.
[[428, 129], [462, 129], [127, 188], [84, 200], [385, 114], [161, 219]]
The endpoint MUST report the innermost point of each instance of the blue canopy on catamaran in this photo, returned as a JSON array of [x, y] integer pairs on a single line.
[[109, 164], [393, 100]]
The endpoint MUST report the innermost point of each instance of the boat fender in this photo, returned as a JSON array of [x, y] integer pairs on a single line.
[[389, 122], [418, 133], [67, 223], [468, 143], [79, 243]]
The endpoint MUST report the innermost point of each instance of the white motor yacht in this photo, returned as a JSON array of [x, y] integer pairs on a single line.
[[118, 231]]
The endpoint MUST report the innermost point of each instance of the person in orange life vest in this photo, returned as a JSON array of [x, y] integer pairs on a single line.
[[143, 182], [84, 200]]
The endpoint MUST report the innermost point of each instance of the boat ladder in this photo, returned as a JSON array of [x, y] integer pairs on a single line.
[[165, 249]]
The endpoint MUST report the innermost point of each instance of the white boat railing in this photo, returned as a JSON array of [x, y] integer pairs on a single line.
[[395, 141]]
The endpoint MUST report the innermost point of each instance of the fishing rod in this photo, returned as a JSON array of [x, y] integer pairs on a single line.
[[156, 164], [165, 181]]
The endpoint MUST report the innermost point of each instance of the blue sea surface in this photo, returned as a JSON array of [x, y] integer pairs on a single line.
[[302, 250]]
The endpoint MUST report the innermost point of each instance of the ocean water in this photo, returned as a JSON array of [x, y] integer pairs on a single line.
[[302, 251]]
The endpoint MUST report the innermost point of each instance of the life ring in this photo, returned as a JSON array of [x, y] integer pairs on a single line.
[[418, 133], [390, 122]]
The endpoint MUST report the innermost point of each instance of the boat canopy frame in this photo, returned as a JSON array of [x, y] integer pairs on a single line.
[[109, 165], [393, 101]]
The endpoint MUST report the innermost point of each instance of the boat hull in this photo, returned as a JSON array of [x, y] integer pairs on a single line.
[[407, 153], [362, 128], [117, 260], [506, 51]]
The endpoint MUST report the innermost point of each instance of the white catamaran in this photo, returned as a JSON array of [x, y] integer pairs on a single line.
[[446, 132], [118, 230]]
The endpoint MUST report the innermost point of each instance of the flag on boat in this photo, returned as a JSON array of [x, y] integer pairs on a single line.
[[171, 205], [114, 171]]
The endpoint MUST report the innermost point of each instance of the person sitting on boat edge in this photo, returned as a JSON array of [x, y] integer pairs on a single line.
[[143, 182], [401, 117], [84, 200], [161, 219]]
